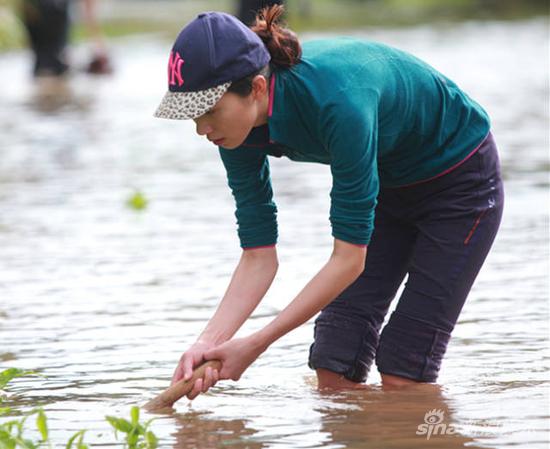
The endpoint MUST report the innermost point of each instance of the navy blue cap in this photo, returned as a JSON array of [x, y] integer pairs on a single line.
[[209, 53]]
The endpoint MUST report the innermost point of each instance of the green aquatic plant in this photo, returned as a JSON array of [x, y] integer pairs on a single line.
[[11, 435], [137, 201], [137, 434], [6, 377], [14, 434], [9, 374]]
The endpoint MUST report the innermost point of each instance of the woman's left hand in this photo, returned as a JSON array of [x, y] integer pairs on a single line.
[[236, 355]]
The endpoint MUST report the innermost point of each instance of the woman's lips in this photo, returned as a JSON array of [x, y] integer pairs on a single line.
[[218, 142]]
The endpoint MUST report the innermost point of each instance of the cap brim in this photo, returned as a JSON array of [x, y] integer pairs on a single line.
[[190, 105]]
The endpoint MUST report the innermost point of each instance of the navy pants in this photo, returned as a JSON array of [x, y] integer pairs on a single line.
[[438, 233], [47, 23]]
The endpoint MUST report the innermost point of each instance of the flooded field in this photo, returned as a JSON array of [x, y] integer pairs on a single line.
[[103, 299]]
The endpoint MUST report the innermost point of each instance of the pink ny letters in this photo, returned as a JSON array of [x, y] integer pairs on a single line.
[[174, 69]]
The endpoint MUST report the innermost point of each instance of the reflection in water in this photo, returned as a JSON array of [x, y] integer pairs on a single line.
[[7, 356], [52, 94], [417, 416], [195, 430], [375, 418]]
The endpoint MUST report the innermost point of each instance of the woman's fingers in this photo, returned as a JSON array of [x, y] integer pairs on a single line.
[[209, 379], [197, 388], [202, 385], [178, 373], [187, 371]]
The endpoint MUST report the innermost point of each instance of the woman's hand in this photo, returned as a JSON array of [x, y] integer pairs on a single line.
[[236, 355], [191, 358]]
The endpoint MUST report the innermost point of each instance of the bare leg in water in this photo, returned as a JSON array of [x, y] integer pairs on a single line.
[[330, 380]]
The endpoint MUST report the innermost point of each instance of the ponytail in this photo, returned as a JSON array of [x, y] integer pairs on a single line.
[[283, 46], [282, 43]]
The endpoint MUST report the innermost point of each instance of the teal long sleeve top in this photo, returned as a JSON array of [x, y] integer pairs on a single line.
[[380, 117]]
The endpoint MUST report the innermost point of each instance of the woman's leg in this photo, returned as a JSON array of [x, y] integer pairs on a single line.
[[47, 25], [346, 331], [457, 217]]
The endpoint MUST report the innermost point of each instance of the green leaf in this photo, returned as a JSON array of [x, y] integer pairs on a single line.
[[152, 440], [6, 439], [80, 444], [4, 410], [26, 444], [132, 439], [134, 413], [9, 374], [69, 444], [42, 424], [7, 426], [7, 444], [120, 424]]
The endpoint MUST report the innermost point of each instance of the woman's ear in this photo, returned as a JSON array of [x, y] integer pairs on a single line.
[[259, 86]]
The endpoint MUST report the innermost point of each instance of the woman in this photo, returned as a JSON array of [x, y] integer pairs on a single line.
[[416, 185]]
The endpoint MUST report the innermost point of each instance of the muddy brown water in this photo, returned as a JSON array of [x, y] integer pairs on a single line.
[[102, 299]]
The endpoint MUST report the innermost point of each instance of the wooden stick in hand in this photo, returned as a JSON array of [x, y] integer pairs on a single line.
[[172, 394]]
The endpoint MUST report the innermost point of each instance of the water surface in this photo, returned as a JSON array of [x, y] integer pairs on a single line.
[[102, 299]]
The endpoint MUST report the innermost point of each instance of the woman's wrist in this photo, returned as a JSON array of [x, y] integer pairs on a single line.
[[212, 338], [261, 339]]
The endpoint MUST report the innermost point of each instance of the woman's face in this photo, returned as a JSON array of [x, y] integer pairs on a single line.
[[229, 122]]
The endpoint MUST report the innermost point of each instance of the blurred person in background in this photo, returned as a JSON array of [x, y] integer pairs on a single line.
[[48, 24]]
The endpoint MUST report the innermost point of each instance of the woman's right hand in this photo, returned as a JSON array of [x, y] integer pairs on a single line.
[[189, 360]]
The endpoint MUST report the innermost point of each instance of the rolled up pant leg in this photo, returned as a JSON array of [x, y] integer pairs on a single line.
[[346, 331]]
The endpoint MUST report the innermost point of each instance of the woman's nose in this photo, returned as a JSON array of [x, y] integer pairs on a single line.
[[203, 128]]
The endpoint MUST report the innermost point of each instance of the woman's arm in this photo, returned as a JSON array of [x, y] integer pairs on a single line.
[[344, 266], [250, 282], [346, 263]]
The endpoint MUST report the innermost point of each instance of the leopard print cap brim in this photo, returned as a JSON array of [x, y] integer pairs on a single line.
[[190, 105]]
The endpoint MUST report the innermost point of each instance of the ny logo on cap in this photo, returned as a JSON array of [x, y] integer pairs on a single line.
[[174, 69]]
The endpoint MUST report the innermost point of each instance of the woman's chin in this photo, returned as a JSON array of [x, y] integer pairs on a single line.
[[230, 145]]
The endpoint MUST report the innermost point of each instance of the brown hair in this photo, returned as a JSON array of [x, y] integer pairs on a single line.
[[283, 46], [282, 43]]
